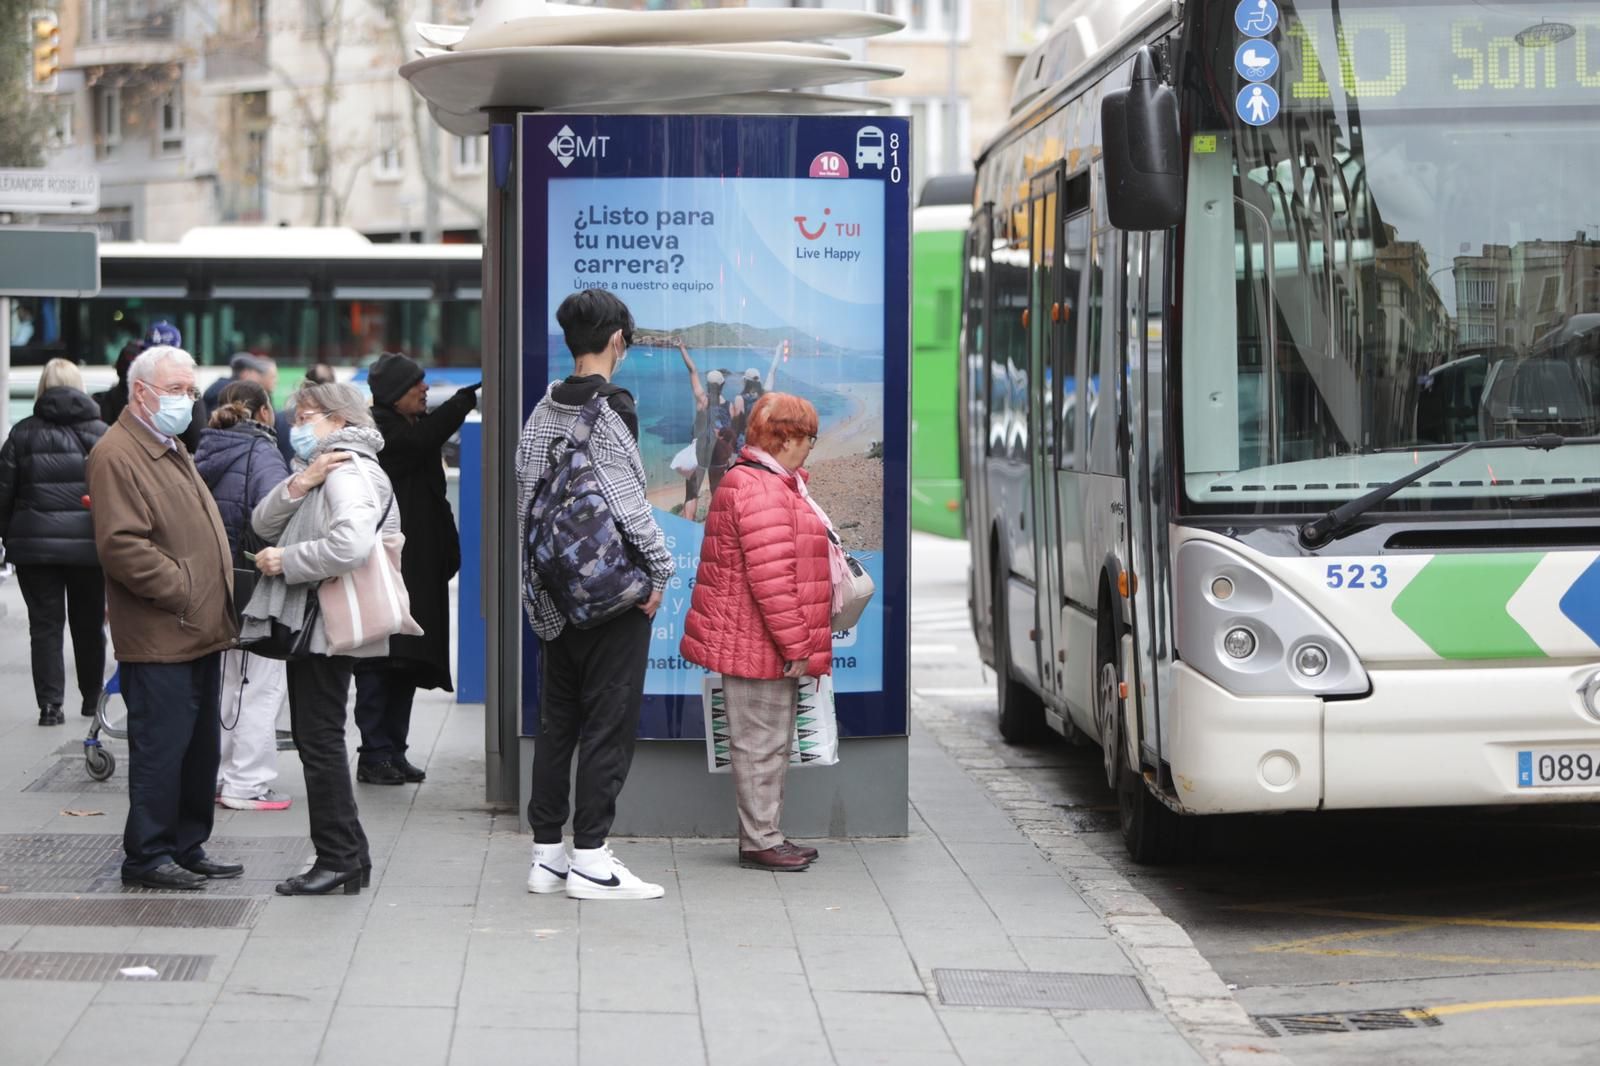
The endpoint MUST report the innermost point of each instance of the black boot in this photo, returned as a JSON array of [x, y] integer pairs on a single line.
[[319, 882], [414, 775], [379, 773], [50, 714]]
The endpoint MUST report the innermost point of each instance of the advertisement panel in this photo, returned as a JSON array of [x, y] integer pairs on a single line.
[[757, 254]]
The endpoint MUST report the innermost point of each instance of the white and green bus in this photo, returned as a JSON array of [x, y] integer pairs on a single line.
[[1280, 394]]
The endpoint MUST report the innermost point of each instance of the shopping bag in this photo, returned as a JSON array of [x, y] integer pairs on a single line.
[[816, 727], [369, 603], [684, 464]]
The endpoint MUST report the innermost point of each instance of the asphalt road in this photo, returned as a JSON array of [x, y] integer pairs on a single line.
[[1474, 932]]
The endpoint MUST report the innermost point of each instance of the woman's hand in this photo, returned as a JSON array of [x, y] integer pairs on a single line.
[[317, 472], [795, 669], [270, 561]]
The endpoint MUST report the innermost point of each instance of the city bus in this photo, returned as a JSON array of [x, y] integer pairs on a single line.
[[300, 295], [1328, 537], [938, 230]]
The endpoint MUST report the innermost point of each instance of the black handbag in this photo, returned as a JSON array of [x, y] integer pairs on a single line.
[[285, 644], [245, 574]]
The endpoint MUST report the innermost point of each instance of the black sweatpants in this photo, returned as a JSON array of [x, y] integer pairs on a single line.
[[319, 697], [592, 682], [174, 746], [56, 596]]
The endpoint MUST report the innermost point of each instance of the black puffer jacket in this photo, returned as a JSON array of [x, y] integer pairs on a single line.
[[42, 484], [240, 466]]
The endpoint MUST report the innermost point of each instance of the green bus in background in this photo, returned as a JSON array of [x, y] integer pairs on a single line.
[[939, 227]]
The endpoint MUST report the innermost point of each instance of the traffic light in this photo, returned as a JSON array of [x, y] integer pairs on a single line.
[[44, 42]]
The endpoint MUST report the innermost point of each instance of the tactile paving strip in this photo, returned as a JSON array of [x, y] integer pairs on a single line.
[[70, 775], [92, 863], [1040, 991], [99, 966], [147, 912]]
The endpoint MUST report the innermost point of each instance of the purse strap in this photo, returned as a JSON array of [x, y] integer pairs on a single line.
[[384, 517]]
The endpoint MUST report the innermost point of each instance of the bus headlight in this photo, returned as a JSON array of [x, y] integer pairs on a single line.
[[1248, 632]]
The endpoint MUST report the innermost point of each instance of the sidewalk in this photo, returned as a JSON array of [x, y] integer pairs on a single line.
[[447, 958]]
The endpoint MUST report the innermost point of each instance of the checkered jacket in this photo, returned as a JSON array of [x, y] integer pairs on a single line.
[[621, 474]]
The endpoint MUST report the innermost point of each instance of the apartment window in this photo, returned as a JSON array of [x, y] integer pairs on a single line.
[[929, 18], [940, 138], [308, 157], [62, 116], [391, 157], [468, 155], [99, 19], [169, 120], [108, 120]]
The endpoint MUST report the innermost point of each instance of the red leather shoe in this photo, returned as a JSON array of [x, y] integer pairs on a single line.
[[800, 849], [779, 860]]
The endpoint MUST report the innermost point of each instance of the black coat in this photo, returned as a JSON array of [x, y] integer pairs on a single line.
[[412, 456], [240, 466], [43, 520]]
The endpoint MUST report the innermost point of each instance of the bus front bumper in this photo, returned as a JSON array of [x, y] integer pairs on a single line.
[[1423, 738]]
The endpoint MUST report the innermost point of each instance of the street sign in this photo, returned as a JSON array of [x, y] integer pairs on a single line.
[[49, 191], [49, 262]]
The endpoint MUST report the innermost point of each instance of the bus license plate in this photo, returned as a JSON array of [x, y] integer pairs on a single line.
[[1556, 767]]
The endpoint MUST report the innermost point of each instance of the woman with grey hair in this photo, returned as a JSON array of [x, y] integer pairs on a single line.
[[49, 536], [326, 519]]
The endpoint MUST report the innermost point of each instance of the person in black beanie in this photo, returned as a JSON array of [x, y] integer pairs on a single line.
[[412, 456]]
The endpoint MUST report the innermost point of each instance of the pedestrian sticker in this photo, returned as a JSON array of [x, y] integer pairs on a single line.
[[1256, 60], [1258, 104], [1256, 18]]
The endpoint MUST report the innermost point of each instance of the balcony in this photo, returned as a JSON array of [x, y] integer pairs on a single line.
[[130, 33]]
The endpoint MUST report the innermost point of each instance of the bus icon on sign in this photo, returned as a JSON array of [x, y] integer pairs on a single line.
[[869, 147]]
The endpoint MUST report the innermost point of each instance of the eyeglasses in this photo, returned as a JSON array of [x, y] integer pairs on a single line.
[[175, 390], [305, 418], [813, 439]]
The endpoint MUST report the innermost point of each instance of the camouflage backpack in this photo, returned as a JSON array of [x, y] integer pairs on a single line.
[[574, 546]]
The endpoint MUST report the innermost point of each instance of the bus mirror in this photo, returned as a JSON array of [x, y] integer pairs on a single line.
[[1143, 151]]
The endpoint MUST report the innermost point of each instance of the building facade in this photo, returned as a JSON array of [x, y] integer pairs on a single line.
[[270, 112]]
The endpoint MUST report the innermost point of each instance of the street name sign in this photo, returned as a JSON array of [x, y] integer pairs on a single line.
[[49, 191], [49, 262]]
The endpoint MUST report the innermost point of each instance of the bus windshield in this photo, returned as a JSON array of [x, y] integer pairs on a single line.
[[1392, 245]]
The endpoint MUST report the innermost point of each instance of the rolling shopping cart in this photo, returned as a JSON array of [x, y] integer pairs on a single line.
[[98, 759]]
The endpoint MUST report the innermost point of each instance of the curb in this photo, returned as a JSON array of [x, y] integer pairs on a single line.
[[1179, 979]]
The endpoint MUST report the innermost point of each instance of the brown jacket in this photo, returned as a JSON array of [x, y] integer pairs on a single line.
[[169, 575]]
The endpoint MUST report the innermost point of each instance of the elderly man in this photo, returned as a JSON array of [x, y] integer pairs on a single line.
[[169, 598]]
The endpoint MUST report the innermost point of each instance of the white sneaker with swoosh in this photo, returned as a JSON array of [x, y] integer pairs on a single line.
[[597, 874], [547, 872]]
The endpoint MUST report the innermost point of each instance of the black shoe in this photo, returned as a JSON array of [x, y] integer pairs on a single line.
[[217, 871], [167, 875], [414, 775], [319, 882], [379, 773], [366, 875], [50, 714]]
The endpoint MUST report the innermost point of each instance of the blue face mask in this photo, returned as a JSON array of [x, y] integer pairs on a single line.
[[174, 414], [303, 440]]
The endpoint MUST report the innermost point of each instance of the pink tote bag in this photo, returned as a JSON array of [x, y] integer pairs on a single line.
[[369, 603]]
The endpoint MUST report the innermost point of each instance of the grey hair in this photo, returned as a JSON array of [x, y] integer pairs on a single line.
[[143, 368], [58, 374], [343, 401]]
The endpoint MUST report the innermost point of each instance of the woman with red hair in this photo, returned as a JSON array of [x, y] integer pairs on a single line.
[[760, 614]]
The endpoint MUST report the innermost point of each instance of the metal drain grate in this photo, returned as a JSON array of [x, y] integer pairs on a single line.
[[1042, 991], [92, 863], [69, 775], [223, 912], [1364, 1021], [99, 966]]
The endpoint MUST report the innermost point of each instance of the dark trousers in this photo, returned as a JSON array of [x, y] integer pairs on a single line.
[[174, 746], [592, 683], [319, 692], [56, 596], [383, 712]]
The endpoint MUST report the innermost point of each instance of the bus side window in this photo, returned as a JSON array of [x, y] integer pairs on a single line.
[[1089, 353], [1104, 457], [1069, 397]]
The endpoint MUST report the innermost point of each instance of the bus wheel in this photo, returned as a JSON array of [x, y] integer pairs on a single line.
[[1021, 711], [1152, 832]]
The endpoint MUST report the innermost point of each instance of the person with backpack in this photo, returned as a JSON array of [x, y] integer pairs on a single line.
[[239, 462], [595, 567], [49, 536]]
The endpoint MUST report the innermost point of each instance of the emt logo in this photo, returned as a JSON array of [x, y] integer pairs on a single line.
[[567, 146]]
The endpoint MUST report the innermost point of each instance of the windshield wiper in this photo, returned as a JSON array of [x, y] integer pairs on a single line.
[[1319, 531]]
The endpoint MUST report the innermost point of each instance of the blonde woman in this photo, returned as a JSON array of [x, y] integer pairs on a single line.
[[49, 536]]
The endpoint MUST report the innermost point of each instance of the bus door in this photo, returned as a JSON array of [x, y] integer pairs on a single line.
[[1075, 398], [1049, 320]]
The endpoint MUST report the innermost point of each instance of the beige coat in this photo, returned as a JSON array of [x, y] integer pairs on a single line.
[[169, 575]]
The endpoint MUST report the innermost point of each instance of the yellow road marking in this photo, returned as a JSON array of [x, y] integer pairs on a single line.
[[1476, 960], [1513, 1004], [1428, 921]]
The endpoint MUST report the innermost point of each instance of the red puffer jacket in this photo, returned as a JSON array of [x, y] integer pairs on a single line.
[[763, 593]]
